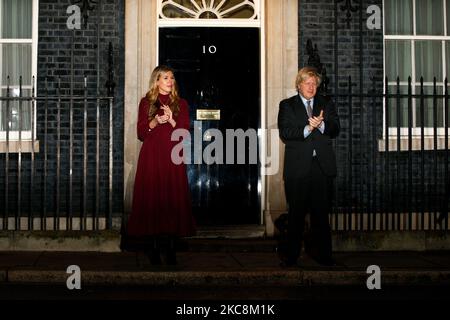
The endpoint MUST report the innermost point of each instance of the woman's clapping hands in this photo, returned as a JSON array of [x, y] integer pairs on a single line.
[[168, 115]]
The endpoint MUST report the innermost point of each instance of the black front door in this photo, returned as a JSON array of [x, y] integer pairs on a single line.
[[218, 73]]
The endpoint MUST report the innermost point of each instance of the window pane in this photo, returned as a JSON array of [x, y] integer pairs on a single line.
[[398, 17], [428, 60], [13, 115], [212, 10], [447, 59], [448, 17], [16, 19], [392, 107], [241, 10], [15, 62], [429, 17], [398, 59], [428, 108]]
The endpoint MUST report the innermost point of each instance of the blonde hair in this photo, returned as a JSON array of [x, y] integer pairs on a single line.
[[153, 92], [306, 73]]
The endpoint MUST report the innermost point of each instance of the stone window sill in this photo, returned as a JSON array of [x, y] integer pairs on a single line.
[[416, 143], [25, 146]]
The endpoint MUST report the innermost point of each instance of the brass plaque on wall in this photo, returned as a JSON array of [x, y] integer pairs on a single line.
[[208, 114]]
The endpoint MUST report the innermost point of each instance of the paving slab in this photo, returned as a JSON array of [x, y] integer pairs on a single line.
[[207, 261], [439, 259], [385, 260], [10, 259], [163, 278], [257, 260], [88, 260], [223, 268]]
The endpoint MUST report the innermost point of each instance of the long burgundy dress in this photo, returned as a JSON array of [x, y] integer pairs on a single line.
[[161, 198]]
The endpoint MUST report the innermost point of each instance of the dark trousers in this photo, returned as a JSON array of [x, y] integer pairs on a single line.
[[312, 194]]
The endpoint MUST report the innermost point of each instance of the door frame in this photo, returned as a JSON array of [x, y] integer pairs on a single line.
[[256, 22]]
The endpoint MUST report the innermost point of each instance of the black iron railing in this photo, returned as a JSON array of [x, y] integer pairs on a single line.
[[393, 172], [58, 170]]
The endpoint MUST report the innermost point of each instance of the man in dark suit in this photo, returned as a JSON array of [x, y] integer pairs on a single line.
[[307, 123]]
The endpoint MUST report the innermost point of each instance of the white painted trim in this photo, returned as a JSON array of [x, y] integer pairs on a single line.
[[27, 87], [26, 146], [425, 83], [411, 37], [416, 144], [35, 45], [34, 63], [157, 34], [14, 135], [235, 23], [414, 18], [416, 132], [445, 17], [19, 41], [62, 223], [340, 220], [413, 75], [384, 71], [444, 62], [263, 144], [1, 51]]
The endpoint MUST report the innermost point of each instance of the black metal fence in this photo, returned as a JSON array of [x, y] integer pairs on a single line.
[[392, 159], [56, 160], [393, 168]]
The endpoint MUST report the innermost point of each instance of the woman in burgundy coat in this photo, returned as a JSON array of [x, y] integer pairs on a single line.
[[161, 199]]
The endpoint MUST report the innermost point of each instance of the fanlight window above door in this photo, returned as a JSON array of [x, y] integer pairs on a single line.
[[209, 9]]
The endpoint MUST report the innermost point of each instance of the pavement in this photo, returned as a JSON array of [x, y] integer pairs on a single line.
[[223, 275], [225, 262]]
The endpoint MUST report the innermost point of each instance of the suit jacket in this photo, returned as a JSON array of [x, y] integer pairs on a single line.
[[292, 119]]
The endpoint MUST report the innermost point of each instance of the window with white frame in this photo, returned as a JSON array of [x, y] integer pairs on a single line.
[[416, 44], [18, 58]]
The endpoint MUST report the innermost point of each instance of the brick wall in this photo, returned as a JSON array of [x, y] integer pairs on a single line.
[[367, 178], [64, 55], [317, 22]]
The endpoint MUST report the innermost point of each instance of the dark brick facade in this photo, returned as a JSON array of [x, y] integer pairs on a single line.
[[57, 46], [368, 180], [317, 22]]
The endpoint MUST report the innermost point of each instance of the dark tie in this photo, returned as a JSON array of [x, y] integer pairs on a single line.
[[309, 109]]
